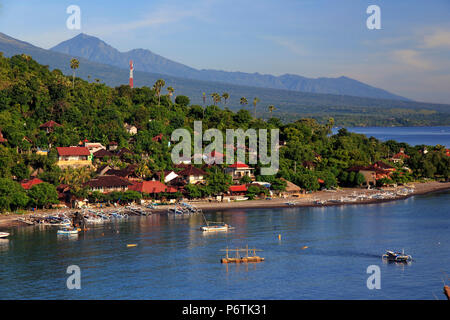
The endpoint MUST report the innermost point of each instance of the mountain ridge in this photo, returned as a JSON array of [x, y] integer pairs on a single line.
[[97, 50]]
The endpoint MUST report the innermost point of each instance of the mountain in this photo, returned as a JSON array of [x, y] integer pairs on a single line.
[[96, 50], [290, 105]]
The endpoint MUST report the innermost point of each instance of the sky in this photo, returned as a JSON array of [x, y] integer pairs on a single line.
[[408, 56]]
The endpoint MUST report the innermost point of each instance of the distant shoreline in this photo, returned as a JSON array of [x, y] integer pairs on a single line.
[[308, 200]]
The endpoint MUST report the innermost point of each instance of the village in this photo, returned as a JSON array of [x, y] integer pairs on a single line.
[[173, 186]]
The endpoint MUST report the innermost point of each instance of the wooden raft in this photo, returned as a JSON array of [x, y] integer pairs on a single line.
[[246, 259]]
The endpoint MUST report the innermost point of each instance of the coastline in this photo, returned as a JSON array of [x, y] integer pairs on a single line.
[[308, 200]]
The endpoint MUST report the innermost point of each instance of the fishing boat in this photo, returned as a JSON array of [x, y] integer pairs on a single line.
[[4, 234], [215, 226], [67, 231], [397, 256]]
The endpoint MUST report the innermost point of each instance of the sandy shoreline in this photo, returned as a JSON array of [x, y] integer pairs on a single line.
[[308, 200]]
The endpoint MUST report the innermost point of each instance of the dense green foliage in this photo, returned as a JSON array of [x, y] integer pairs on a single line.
[[31, 94]]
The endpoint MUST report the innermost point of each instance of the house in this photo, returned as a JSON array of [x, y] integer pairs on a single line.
[[384, 166], [102, 153], [399, 157], [169, 175], [49, 126], [371, 173], [128, 173], [2, 140], [28, 184], [238, 190], [238, 170], [112, 146], [124, 151], [101, 171], [192, 175], [132, 130], [292, 190], [152, 187], [73, 157], [106, 184], [93, 147]]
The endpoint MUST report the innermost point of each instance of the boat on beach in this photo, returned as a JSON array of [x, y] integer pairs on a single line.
[[4, 234]]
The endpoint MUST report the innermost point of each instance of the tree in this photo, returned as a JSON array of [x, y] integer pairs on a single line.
[[43, 195], [255, 101], [170, 91], [218, 182], [182, 101], [271, 109], [243, 102], [159, 84], [12, 195], [74, 64], [225, 97]]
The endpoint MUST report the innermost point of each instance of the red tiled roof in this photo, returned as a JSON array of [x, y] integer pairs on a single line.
[[400, 155], [320, 181], [27, 184], [238, 188], [238, 165], [50, 124], [152, 187], [73, 151]]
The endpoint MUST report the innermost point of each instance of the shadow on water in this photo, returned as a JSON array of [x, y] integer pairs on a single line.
[[342, 253]]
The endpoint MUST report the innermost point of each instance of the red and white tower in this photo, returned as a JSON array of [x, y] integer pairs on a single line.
[[131, 73]]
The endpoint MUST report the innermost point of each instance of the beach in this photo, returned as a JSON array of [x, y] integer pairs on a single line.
[[341, 196]]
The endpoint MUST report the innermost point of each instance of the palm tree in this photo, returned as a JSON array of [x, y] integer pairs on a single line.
[[243, 101], [159, 84], [216, 98], [170, 90], [271, 108], [74, 64], [225, 97], [255, 101]]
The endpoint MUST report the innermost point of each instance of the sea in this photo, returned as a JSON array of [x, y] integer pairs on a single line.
[[310, 253]]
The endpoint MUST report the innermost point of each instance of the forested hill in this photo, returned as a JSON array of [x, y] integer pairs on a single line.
[[289, 105], [31, 94]]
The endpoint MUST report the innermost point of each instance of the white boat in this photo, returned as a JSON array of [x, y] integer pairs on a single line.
[[4, 234], [66, 231], [215, 228]]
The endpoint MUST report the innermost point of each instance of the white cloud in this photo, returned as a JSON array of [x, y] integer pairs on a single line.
[[412, 58], [438, 39]]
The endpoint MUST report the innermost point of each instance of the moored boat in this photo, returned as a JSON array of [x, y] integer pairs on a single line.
[[4, 234], [67, 231], [397, 256]]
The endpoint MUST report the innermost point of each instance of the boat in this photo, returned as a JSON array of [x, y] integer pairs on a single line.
[[4, 234], [290, 203], [215, 227], [397, 256], [67, 231]]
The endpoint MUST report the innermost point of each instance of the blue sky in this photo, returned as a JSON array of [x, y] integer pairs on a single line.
[[409, 56]]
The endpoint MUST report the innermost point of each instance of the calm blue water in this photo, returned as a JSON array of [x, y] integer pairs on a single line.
[[410, 135], [174, 260]]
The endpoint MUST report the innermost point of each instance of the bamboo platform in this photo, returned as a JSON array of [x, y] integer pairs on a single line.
[[246, 259]]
